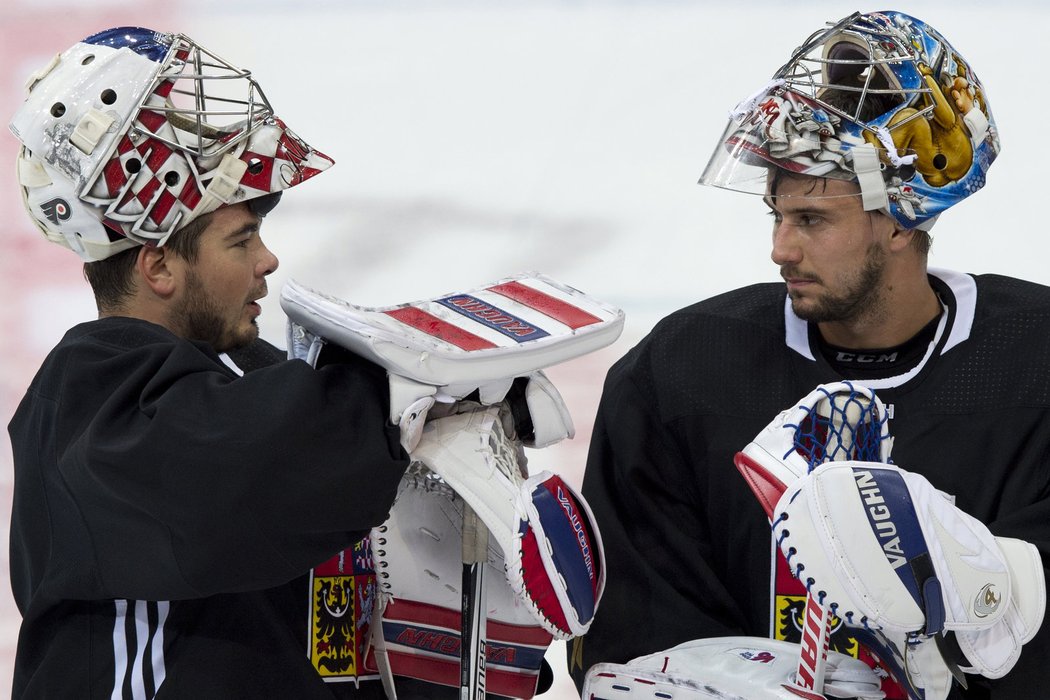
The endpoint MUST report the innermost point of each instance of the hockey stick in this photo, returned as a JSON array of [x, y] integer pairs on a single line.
[[474, 607], [813, 652]]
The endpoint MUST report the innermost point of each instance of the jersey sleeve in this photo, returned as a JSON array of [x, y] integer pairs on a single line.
[[155, 473], [661, 589]]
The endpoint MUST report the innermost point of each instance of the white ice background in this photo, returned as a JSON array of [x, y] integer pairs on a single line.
[[478, 139]]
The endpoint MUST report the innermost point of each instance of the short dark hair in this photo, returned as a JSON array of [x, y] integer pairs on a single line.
[[111, 279], [922, 241], [778, 174]]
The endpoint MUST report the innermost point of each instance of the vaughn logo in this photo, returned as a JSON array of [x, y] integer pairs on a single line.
[[880, 517], [55, 210], [577, 527]]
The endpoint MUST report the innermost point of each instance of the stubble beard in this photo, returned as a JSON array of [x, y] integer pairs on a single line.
[[199, 318], [862, 296]]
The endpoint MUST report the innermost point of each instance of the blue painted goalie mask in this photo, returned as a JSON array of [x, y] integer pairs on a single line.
[[880, 99]]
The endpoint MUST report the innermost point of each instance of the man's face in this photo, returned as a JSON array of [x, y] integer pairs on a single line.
[[830, 251], [217, 299]]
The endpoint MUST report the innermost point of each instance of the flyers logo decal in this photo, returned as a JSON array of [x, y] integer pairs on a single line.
[[56, 210]]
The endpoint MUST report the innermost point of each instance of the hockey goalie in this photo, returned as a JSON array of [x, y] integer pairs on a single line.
[[481, 563]]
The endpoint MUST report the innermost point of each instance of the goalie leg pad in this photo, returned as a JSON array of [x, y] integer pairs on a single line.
[[727, 668], [418, 562], [467, 339]]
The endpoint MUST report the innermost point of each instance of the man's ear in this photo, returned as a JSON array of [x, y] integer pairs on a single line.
[[902, 237], [155, 267]]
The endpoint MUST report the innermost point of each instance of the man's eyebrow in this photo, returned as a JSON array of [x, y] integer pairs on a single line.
[[808, 207], [246, 229]]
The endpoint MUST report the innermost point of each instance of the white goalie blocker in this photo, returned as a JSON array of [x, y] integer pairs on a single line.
[[462, 367], [461, 340]]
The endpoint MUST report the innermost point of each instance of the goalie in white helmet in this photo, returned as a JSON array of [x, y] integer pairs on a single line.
[[132, 134], [870, 131], [192, 516], [169, 516]]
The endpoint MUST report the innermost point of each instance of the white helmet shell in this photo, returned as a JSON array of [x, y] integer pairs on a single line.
[[131, 134]]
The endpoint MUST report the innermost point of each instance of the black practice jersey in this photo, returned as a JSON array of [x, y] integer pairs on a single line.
[[167, 515], [688, 546]]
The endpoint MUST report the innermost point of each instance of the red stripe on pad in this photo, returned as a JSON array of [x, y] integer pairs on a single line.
[[443, 672], [413, 612], [572, 316], [538, 583], [442, 330]]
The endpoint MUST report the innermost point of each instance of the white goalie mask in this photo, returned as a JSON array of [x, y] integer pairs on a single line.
[[879, 99], [131, 134]]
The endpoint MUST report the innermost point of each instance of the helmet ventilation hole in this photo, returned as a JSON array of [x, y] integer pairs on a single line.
[[58, 109], [133, 165], [171, 178], [255, 166], [87, 59], [108, 97]]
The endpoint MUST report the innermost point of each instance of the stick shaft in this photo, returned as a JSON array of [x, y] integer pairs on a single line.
[[474, 605], [813, 655]]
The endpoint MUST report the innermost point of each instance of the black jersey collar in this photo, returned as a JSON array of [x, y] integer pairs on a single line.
[[958, 295]]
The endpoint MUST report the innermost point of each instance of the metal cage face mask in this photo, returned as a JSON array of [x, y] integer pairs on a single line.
[[879, 99], [137, 133]]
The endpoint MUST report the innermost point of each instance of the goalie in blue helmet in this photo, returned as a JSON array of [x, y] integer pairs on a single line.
[[864, 136]]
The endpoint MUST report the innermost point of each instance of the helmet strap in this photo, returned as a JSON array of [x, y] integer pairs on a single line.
[[868, 168]]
